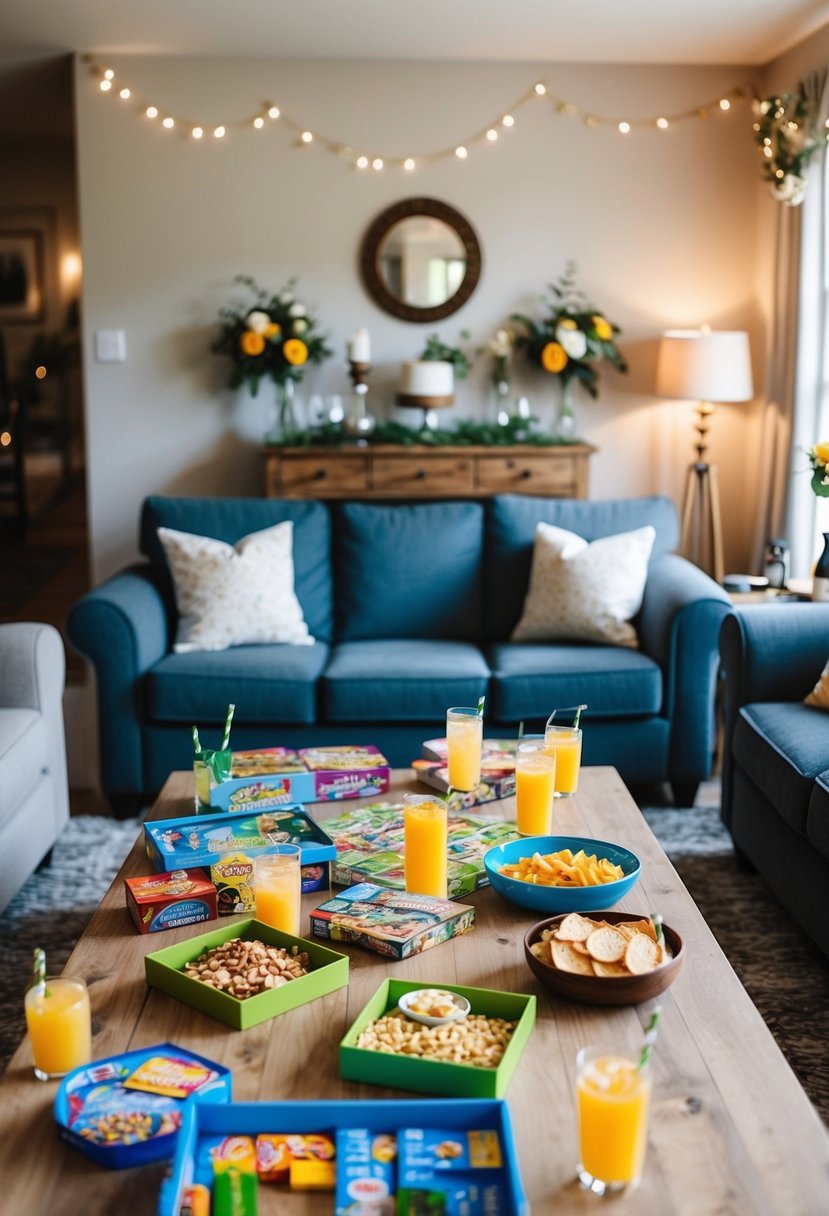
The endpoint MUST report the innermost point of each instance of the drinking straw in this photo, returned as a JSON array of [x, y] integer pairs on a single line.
[[650, 1036], [39, 971], [579, 710], [656, 921], [196, 741], [520, 731], [481, 706], [226, 737]]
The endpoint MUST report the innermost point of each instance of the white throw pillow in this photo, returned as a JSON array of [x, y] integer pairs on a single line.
[[585, 592], [233, 595]]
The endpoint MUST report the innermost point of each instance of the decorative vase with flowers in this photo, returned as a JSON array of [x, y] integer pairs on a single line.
[[567, 342], [819, 460], [500, 347], [274, 338]]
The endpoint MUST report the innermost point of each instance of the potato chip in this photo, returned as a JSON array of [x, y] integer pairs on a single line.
[[609, 970], [641, 955], [566, 958], [563, 869], [606, 945], [541, 950], [575, 928]]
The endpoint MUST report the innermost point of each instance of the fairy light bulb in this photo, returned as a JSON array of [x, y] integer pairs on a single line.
[[492, 135], [539, 90], [362, 162], [307, 137], [105, 86], [725, 104], [124, 94], [273, 112], [219, 133], [109, 74], [461, 152], [508, 121], [662, 123], [377, 163], [259, 123], [198, 132], [168, 122], [624, 128], [151, 112], [408, 164]]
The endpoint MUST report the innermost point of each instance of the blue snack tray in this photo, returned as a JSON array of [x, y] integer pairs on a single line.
[[200, 840], [101, 1081], [205, 1123]]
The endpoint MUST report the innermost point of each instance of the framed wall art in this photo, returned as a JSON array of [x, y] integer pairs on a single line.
[[27, 271]]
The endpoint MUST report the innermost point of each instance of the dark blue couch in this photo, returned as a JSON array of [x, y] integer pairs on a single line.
[[775, 797], [411, 606]]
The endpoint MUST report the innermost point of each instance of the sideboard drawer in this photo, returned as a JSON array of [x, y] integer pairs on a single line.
[[499, 474], [314, 476], [413, 475]]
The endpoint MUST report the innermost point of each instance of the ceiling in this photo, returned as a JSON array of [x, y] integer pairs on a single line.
[[747, 32]]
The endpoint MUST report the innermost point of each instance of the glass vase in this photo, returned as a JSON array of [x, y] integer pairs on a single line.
[[820, 582], [282, 421], [566, 423], [501, 401]]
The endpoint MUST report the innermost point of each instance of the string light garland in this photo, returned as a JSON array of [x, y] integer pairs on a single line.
[[362, 160]]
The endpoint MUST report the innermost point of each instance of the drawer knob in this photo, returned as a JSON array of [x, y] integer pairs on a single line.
[[320, 474]]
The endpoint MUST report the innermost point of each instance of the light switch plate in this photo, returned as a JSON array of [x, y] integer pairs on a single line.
[[110, 345]]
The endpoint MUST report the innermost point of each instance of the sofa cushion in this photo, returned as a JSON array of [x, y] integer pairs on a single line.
[[24, 749], [530, 679], [817, 817], [510, 532], [408, 571], [229, 519], [819, 696], [782, 746], [267, 683], [414, 680]]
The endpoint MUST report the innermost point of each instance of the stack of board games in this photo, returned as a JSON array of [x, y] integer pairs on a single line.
[[497, 771], [273, 776], [369, 844]]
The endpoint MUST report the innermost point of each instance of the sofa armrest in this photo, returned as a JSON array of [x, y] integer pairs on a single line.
[[122, 626], [679, 626], [32, 676]]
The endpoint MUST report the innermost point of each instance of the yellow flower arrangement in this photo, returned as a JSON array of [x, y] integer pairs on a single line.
[[553, 357], [295, 351], [251, 343], [819, 460]]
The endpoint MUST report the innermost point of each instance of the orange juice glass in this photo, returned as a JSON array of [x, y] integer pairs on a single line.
[[60, 1026], [464, 738], [277, 887], [613, 1098], [564, 742], [425, 845], [535, 770]]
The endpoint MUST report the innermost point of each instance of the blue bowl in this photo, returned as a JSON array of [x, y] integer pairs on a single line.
[[554, 900]]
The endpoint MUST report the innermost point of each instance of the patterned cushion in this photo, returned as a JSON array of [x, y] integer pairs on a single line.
[[232, 595], [585, 592]]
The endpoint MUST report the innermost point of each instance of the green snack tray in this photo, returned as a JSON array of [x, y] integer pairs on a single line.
[[438, 1076], [163, 971]]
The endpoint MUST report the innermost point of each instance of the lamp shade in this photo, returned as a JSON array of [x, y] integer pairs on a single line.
[[700, 365]]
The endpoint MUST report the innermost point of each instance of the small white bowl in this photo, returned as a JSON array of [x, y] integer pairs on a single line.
[[409, 998]]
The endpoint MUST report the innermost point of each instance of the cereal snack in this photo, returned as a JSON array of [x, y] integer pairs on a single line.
[[476, 1039]]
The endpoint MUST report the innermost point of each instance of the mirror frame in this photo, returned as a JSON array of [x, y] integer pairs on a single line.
[[374, 237]]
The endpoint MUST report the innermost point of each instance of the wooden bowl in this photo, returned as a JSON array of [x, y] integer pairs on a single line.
[[605, 990]]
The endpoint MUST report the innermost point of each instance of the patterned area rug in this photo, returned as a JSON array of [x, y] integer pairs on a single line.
[[784, 973]]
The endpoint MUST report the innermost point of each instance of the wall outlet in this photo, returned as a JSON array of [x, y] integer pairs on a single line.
[[110, 345]]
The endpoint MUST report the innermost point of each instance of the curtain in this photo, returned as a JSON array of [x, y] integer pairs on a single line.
[[806, 384]]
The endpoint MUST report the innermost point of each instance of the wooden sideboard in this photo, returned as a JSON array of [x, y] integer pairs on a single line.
[[392, 471]]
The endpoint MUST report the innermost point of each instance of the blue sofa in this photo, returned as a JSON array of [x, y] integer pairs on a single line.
[[411, 606], [775, 793]]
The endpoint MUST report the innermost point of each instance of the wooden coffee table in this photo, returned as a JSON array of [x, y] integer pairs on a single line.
[[731, 1129]]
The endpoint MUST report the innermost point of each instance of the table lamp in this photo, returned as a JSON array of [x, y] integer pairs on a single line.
[[705, 366]]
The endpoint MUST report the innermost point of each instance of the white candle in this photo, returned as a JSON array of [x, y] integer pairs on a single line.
[[359, 347]]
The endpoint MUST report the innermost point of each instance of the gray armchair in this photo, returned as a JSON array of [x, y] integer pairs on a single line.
[[34, 795]]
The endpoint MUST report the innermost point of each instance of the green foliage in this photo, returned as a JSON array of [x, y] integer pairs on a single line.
[[786, 132], [436, 351], [280, 324], [465, 433], [572, 335]]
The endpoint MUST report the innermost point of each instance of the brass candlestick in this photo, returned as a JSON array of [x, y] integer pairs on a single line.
[[359, 423]]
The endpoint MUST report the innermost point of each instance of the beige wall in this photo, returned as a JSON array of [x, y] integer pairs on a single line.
[[662, 225]]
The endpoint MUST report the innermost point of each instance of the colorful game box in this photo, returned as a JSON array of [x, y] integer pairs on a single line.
[[126, 1110], [456, 1173], [210, 840], [497, 771], [365, 1170], [390, 923], [369, 847], [166, 901], [273, 776]]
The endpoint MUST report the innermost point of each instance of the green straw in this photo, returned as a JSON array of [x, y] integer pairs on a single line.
[[39, 971], [520, 731], [656, 921], [226, 737], [481, 701], [196, 741], [650, 1036], [579, 710]]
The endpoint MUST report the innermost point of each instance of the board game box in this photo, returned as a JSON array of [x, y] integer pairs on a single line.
[[369, 844], [395, 924], [497, 771], [274, 776]]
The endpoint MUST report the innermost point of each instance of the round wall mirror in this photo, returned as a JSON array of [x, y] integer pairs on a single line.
[[420, 260]]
